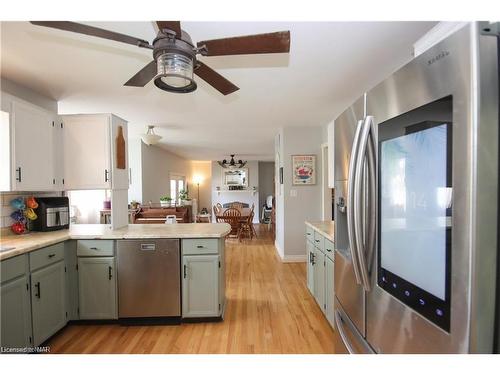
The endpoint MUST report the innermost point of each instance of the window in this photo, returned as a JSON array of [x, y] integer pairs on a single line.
[[177, 183]]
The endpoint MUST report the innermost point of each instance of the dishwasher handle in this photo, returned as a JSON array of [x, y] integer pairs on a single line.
[[148, 246]]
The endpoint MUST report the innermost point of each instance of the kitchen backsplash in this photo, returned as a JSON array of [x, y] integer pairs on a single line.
[[6, 209]]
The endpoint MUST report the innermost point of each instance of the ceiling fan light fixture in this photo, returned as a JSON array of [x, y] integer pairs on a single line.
[[175, 73], [150, 138]]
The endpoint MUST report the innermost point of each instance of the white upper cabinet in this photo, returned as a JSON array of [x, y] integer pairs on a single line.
[[90, 152], [331, 153], [30, 134]]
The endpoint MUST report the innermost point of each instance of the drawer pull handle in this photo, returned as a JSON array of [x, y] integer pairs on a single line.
[[52, 255], [37, 286], [94, 248], [200, 246], [316, 240], [330, 250]]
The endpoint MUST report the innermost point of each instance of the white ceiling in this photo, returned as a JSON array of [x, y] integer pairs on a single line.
[[329, 66]]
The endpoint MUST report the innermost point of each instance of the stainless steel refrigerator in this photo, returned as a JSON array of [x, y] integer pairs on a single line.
[[416, 221]]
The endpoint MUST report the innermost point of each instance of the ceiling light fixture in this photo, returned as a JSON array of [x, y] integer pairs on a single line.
[[232, 164], [150, 138], [175, 73]]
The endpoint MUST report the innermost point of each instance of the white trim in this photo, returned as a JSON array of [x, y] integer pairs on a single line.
[[289, 258], [435, 35], [326, 191]]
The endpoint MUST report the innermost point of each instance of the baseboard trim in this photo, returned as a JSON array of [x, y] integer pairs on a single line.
[[294, 259], [289, 258]]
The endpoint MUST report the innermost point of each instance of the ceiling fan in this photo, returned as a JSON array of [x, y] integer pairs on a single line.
[[174, 54]]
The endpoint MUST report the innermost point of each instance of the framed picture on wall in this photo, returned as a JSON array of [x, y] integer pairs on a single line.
[[303, 169]]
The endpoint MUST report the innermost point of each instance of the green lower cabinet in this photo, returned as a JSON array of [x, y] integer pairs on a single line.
[[329, 291], [319, 278], [310, 266], [16, 313], [48, 305], [97, 288], [200, 286]]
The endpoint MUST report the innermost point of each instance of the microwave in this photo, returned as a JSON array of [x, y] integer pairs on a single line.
[[53, 214]]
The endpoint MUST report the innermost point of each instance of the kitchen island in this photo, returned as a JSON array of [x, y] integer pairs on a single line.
[[87, 273]]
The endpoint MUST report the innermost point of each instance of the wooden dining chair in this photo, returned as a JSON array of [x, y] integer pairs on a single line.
[[238, 205], [247, 225], [219, 207], [232, 216]]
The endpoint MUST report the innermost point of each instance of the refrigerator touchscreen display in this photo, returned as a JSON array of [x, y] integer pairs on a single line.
[[415, 197]]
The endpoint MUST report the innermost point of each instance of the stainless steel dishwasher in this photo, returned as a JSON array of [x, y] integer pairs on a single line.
[[149, 278]]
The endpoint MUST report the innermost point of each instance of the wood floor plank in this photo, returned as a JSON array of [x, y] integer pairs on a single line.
[[269, 310]]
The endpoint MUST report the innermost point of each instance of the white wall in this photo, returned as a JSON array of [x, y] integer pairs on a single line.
[[135, 165], [306, 202], [266, 181], [157, 165], [246, 196]]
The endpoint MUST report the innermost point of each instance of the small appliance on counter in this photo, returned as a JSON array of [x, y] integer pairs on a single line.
[[53, 214]]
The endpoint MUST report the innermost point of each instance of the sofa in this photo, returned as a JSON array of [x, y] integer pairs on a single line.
[[157, 215]]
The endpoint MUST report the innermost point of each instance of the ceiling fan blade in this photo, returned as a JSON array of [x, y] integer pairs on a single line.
[[143, 76], [278, 42], [214, 79], [171, 25], [93, 31]]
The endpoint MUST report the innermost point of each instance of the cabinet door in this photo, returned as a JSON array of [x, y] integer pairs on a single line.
[[310, 266], [86, 152], [120, 176], [329, 291], [33, 148], [200, 286], [16, 314], [97, 288], [319, 278], [48, 301]]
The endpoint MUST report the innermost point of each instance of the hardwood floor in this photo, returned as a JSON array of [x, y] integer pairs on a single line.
[[269, 310]]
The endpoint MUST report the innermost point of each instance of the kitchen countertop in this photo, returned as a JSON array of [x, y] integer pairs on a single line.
[[34, 240], [326, 228]]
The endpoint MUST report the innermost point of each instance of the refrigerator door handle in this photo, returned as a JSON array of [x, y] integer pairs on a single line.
[[364, 241], [340, 328], [351, 197]]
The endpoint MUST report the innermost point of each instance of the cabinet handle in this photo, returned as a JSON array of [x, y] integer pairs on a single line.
[[329, 250], [200, 246], [37, 286], [18, 177], [52, 255], [106, 178], [312, 261], [185, 271], [316, 240], [109, 272], [94, 248]]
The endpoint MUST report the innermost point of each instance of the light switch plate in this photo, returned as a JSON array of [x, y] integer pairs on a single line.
[[293, 193]]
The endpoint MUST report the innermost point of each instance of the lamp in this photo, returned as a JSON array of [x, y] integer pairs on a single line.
[[150, 138], [175, 73], [198, 179]]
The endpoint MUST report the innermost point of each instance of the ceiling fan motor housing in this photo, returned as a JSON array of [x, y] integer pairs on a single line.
[[176, 61]]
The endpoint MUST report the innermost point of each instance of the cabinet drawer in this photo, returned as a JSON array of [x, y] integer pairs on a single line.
[[319, 241], [309, 233], [47, 255], [329, 249], [95, 248], [194, 246], [13, 267]]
